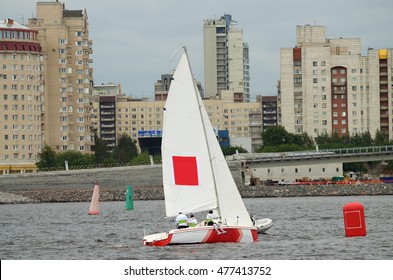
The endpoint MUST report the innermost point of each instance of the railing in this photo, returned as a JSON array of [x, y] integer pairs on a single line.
[[314, 154], [78, 167]]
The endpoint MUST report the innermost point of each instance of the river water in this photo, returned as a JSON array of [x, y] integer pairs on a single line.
[[306, 228]]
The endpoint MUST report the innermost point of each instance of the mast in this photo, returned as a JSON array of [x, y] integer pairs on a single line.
[[196, 91]]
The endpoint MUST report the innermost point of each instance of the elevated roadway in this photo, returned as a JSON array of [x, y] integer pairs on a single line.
[[374, 157]]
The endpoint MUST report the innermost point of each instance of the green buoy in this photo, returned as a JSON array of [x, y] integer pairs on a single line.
[[129, 199]]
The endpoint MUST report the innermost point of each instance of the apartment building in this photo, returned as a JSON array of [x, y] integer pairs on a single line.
[[329, 86], [226, 59], [270, 111], [64, 38], [22, 97], [142, 119]]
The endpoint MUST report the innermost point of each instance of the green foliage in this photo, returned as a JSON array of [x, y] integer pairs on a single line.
[[335, 141], [74, 158], [382, 138], [47, 157], [100, 150], [276, 135], [231, 150], [277, 139], [282, 148], [125, 150], [142, 158]]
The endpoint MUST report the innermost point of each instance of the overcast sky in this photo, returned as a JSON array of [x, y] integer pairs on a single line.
[[135, 41]]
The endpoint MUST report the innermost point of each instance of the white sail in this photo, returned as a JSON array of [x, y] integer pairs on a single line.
[[187, 177], [195, 173]]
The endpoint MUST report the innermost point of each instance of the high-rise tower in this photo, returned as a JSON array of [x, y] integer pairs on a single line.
[[329, 86], [21, 95], [64, 37], [226, 59]]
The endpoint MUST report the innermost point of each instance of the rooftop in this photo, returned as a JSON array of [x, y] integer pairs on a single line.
[[10, 23]]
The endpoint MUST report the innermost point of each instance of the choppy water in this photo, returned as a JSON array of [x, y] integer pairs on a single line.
[[305, 228]]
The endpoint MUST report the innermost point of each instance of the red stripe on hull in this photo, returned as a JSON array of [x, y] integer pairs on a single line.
[[231, 235], [159, 243]]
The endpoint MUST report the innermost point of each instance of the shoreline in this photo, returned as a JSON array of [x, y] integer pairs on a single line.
[[55, 195]]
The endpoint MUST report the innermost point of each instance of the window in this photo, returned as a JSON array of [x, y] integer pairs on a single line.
[[314, 63], [296, 81]]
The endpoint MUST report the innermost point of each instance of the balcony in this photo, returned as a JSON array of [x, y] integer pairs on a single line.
[[107, 125], [106, 119], [107, 113], [107, 106]]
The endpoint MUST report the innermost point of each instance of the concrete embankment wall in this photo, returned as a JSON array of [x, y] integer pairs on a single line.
[[77, 186]]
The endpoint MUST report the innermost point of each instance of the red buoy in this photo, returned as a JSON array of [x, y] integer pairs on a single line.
[[354, 220]]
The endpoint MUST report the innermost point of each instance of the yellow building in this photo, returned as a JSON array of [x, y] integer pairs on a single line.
[[138, 118], [22, 97], [64, 37]]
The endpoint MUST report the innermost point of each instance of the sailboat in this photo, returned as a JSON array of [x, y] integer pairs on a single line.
[[196, 177]]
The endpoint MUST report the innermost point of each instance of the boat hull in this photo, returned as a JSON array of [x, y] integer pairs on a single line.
[[263, 224], [203, 234]]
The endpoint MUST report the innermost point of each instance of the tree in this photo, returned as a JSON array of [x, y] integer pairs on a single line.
[[231, 150], [100, 150], [74, 158], [142, 158], [276, 135], [47, 157], [277, 139], [125, 150], [381, 138]]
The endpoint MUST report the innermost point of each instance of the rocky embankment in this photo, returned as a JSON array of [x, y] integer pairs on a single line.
[[156, 193]]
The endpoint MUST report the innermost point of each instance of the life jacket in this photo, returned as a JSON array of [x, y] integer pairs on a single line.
[[182, 222]]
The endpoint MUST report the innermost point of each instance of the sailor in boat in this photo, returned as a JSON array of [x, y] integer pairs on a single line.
[[212, 220], [181, 220], [192, 221]]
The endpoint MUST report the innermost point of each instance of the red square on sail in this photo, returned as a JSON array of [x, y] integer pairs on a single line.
[[185, 170]]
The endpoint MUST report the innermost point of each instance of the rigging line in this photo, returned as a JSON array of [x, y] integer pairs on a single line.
[[172, 57], [199, 100]]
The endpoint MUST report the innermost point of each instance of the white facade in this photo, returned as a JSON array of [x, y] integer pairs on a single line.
[[292, 173], [328, 85]]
